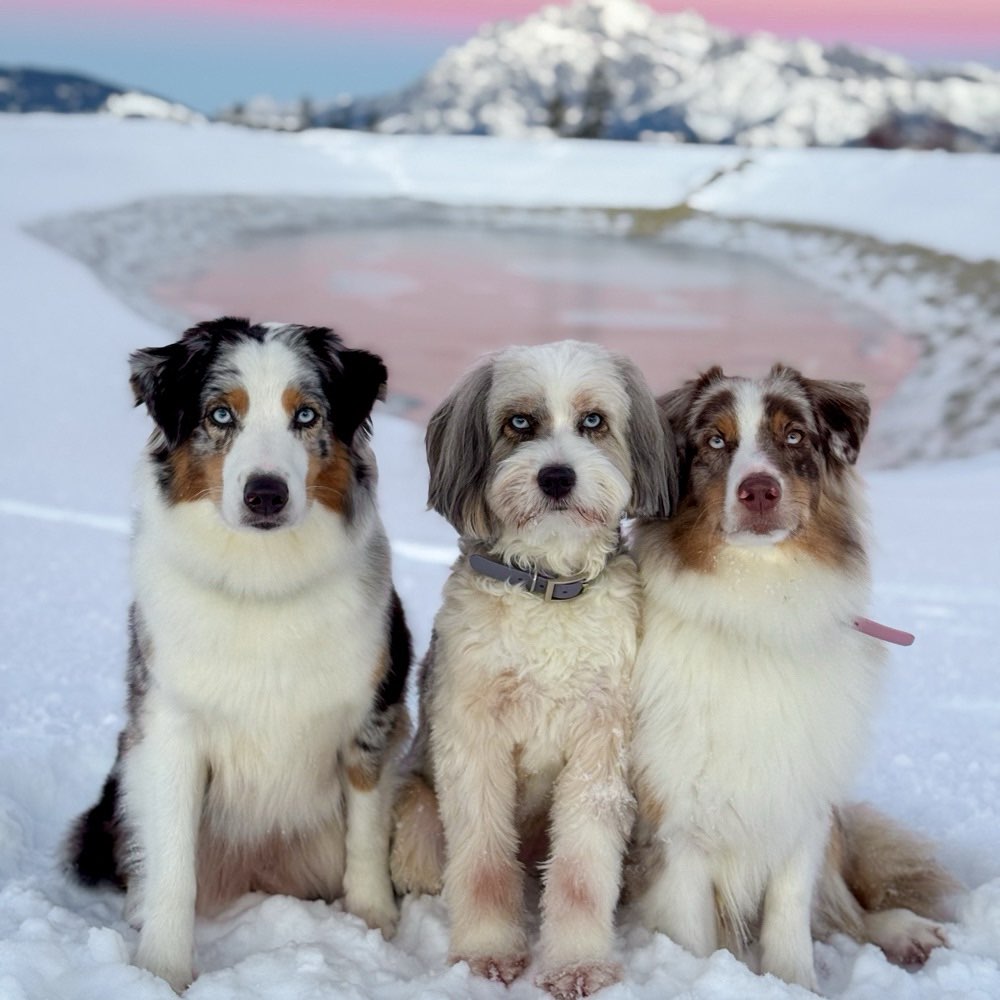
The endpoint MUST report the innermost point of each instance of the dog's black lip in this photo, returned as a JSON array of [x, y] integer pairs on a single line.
[[263, 525]]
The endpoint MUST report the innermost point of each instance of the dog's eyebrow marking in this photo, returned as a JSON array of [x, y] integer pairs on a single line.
[[776, 406], [293, 397], [587, 402], [237, 400], [717, 406]]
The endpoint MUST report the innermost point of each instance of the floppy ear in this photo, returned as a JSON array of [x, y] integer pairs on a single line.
[[169, 380], [675, 408], [352, 381], [364, 378], [458, 454], [842, 411], [651, 441]]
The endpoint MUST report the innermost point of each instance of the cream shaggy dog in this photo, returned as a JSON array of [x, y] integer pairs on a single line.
[[753, 691], [534, 458], [268, 652]]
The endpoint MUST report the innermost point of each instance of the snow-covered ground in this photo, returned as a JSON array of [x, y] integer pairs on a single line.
[[65, 470]]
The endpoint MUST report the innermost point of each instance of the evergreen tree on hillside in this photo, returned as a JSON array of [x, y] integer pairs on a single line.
[[597, 101]]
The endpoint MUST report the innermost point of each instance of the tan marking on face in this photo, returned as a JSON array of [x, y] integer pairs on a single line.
[[329, 480], [237, 400], [194, 477], [292, 399], [779, 421], [585, 402], [727, 426], [827, 531], [694, 533]]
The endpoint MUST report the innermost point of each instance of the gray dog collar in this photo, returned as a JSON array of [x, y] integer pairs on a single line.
[[549, 588]]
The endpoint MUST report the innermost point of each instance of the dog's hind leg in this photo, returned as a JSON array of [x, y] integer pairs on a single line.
[[94, 845], [881, 884], [591, 816], [417, 860]]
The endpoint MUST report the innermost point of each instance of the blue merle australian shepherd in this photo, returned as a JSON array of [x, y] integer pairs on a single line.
[[268, 648]]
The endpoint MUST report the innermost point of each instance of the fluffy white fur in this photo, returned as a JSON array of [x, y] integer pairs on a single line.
[[752, 701]]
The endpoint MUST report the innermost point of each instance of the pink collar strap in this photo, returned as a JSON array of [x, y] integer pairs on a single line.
[[883, 632]]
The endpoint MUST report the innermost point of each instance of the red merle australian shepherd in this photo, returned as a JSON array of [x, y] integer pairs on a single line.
[[268, 650], [753, 690]]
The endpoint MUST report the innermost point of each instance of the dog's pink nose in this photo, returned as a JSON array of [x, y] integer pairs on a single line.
[[759, 493]]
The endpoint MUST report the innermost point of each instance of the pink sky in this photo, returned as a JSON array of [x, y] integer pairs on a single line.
[[911, 22]]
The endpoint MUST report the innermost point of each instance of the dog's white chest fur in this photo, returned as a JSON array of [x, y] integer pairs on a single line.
[[539, 667], [267, 684], [752, 700]]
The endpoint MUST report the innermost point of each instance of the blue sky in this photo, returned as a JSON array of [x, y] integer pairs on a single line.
[[210, 53], [217, 62]]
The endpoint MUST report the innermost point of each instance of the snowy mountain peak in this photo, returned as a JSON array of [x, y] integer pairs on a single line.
[[612, 18], [618, 69]]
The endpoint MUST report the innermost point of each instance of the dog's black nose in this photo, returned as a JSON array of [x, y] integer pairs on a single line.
[[265, 495], [556, 481]]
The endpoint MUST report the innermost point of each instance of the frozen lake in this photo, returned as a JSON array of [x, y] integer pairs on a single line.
[[432, 296]]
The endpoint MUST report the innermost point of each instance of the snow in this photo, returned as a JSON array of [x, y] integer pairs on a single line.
[[135, 104], [65, 472], [641, 72], [898, 197]]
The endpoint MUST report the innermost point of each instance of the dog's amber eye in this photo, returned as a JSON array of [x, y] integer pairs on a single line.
[[519, 422], [717, 441], [793, 437], [221, 416], [592, 421], [305, 416]]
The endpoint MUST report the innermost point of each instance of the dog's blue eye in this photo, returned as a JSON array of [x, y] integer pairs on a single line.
[[520, 422], [592, 421], [306, 416], [221, 416], [793, 437], [717, 441]]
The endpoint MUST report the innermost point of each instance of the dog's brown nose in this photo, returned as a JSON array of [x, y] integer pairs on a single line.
[[265, 495], [556, 481], [759, 493]]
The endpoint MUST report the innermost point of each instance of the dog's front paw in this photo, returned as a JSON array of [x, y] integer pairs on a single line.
[[580, 979], [379, 915], [497, 968], [177, 972]]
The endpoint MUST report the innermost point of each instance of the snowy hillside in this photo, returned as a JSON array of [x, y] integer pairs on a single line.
[[617, 69], [26, 90], [64, 499]]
